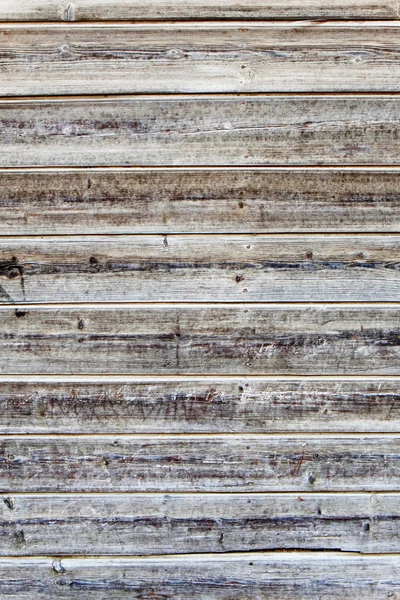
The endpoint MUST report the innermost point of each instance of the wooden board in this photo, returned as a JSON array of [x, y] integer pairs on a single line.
[[200, 58], [200, 406], [88, 10], [152, 524], [90, 201], [190, 131], [200, 463], [200, 268], [331, 576], [246, 339]]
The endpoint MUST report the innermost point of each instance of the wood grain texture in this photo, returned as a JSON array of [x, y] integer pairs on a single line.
[[204, 201], [195, 340], [150, 524], [89, 10], [331, 576], [200, 268], [200, 463], [201, 58], [189, 131], [213, 406], [299, 576]]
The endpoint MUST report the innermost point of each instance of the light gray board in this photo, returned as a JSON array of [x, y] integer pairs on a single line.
[[206, 463], [206, 339], [90, 10], [189, 131], [331, 576], [153, 524], [199, 58], [196, 268], [210, 405]]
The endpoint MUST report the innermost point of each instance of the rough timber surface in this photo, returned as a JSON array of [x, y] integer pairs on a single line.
[[208, 405], [201, 131], [200, 58], [200, 463], [93, 201], [200, 269], [154, 524], [213, 339], [114, 10], [299, 576]]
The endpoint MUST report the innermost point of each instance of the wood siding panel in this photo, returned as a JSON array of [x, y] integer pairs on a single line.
[[200, 58], [196, 523], [332, 576], [209, 463], [92, 201], [200, 269], [233, 131], [89, 10], [194, 340], [199, 406]]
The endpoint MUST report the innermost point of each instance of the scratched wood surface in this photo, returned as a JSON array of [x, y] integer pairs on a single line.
[[200, 463], [199, 406], [200, 58], [199, 268], [199, 300], [216, 339], [101, 201], [92, 10], [195, 131], [153, 524]]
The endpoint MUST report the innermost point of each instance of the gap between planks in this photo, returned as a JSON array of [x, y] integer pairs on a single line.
[[102, 237], [207, 23], [161, 378], [199, 557], [305, 495], [223, 168], [193, 305], [199, 436], [143, 96]]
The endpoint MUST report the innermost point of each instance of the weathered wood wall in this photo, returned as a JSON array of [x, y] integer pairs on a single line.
[[199, 289]]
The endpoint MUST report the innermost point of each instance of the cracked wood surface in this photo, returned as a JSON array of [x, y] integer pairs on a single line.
[[153, 524], [92, 10], [97, 201], [200, 269], [200, 58], [214, 339], [200, 463], [215, 405], [189, 131]]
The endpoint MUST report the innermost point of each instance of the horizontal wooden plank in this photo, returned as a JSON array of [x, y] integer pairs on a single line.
[[202, 201], [215, 405], [200, 268], [89, 10], [201, 58], [90, 525], [188, 131], [219, 339], [200, 463], [299, 576]]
